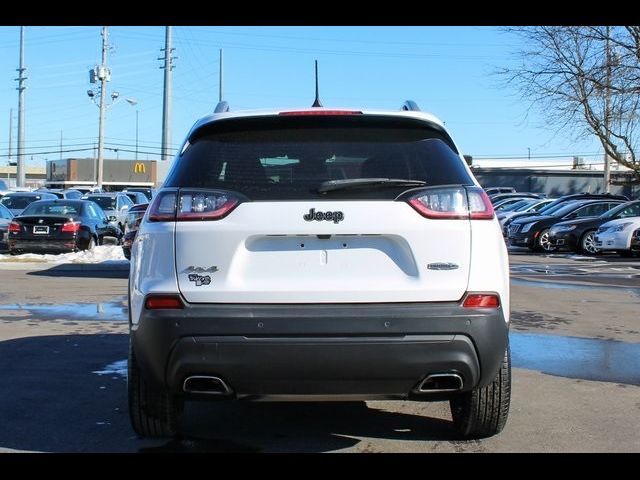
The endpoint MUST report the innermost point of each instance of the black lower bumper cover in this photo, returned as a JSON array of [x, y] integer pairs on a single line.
[[323, 349]]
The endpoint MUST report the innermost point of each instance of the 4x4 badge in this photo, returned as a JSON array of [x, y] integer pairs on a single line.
[[199, 279], [319, 216]]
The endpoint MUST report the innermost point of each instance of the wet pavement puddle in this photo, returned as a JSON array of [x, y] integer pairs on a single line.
[[111, 311], [578, 358]]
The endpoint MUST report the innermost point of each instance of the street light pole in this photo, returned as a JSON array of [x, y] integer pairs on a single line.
[[102, 75], [137, 133]]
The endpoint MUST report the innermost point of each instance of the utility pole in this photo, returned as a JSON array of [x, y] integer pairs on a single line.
[[166, 101], [137, 133], [20, 176], [607, 169], [529, 153], [102, 76], [10, 133], [220, 93], [60, 144]]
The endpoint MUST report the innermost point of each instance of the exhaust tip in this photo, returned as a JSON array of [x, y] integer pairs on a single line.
[[440, 382], [206, 385]]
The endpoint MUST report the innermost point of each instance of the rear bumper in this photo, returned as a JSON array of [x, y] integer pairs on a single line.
[[49, 245], [367, 350]]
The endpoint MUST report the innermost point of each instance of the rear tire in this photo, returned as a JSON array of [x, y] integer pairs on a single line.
[[91, 243], [153, 412], [483, 412]]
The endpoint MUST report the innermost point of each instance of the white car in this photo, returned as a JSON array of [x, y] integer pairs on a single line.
[[616, 235], [528, 206], [320, 254]]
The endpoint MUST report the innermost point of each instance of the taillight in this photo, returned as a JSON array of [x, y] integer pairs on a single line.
[[481, 300], [480, 206], [14, 227], [155, 302], [192, 205], [70, 227], [163, 207], [452, 203]]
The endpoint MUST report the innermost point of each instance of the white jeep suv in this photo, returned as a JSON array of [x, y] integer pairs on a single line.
[[323, 255]]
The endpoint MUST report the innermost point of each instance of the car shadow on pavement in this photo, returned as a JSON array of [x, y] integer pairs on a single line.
[[53, 401], [80, 270]]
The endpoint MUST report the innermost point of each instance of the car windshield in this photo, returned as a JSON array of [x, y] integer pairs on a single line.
[[623, 211], [513, 207], [52, 208], [5, 213], [296, 160], [18, 203], [106, 203]]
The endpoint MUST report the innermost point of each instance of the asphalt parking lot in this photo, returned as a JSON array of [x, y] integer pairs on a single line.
[[575, 341]]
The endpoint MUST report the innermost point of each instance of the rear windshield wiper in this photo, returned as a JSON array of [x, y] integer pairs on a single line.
[[331, 185]]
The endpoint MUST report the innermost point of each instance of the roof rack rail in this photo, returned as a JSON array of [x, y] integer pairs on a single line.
[[410, 106], [222, 107]]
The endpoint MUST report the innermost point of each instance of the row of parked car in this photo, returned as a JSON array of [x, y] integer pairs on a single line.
[[586, 223], [68, 220]]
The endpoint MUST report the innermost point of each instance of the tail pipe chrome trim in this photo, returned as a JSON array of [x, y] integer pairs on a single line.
[[440, 382], [205, 384]]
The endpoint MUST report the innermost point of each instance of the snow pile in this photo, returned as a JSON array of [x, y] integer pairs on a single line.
[[111, 254]]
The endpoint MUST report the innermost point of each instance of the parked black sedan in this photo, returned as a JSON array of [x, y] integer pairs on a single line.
[[5, 219], [635, 242], [533, 232], [578, 234], [134, 217], [562, 201], [59, 226]]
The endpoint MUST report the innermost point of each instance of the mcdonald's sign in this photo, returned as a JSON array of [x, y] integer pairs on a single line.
[[139, 168]]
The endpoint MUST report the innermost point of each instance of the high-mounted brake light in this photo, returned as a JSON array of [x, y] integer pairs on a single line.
[[156, 302], [14, 227], [451, 203], [191, 205], [70, 227], [481, 300], [321, 112]]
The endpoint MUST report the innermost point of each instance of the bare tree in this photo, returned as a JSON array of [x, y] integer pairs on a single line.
[[585, 79]]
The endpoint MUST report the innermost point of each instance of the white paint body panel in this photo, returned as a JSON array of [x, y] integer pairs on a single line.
[[266, 252]]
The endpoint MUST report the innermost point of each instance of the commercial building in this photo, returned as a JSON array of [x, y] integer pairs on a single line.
[[116, 173]]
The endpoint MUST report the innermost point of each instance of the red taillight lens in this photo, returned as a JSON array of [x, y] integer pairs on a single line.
[[156, 302], [481, 300], [441, 203], [190, 205], [480, 207], [321, 112], [205, 205], [14, 227], [70, 227], [163, 207], [450, 203]]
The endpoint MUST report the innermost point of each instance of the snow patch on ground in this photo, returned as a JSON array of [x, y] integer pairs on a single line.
[[114, 368], [104, 253]]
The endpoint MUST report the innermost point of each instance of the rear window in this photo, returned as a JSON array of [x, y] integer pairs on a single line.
[[284, 161], [106, 203], [57, 208], [18, 203]]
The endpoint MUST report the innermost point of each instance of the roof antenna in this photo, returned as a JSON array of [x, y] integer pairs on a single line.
[[316, 102]]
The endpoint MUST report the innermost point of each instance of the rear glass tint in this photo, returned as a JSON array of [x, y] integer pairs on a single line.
[[289, 160]]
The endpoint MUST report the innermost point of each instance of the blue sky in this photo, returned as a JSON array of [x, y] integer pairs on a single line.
[[446, 70]]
